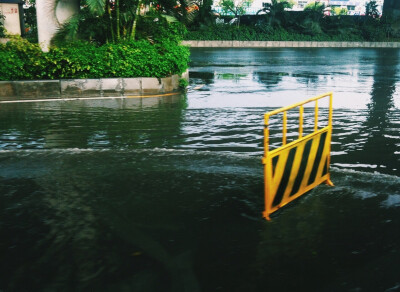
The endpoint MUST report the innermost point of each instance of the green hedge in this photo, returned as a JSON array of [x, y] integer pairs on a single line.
[[254, 33], [299, 26], [22, 60]]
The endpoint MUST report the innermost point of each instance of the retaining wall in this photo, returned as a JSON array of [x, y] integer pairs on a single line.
[[105, 87], [289, 44]]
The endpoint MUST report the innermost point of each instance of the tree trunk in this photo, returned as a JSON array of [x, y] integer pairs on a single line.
[[137, 12], [118, 21]]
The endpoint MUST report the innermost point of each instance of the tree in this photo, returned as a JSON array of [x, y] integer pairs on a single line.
[[205, 15], [339, 11], [371, 9], [237, 7], [104, 21], [315, 10], [314, 15], [276, 11], [315, 6], [291, 3]]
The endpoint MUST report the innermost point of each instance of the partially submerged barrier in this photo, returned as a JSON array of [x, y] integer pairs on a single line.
[[296, 167]]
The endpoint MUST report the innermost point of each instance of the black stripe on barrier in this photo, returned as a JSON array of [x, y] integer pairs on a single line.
[[285, 177], [274, 163], [325, 171], [318, 158], [302, 169]]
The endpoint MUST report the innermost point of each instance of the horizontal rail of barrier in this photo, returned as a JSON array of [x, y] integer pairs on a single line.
[[296, 167]]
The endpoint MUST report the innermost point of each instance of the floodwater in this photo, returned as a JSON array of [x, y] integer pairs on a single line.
[[166, 193]]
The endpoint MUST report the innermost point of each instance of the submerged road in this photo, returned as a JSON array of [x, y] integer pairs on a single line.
[[166, 193]]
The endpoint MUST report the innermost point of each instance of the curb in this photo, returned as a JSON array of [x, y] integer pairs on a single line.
[[80, 88]]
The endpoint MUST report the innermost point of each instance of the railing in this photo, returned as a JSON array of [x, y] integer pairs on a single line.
[[296, 167]]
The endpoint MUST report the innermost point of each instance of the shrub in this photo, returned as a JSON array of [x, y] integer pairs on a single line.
[[157, 29], [308, 25], [26, 61], [183, 83], [22, 60], [2, 29], [264, 32]]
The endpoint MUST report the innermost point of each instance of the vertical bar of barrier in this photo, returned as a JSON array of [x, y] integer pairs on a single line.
[[284, 130], [316, 116], [301, 111], [267, 169], [330, 118], [330, 110], [266, 134]]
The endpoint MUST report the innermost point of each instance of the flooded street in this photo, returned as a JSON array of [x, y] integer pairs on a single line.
[[166, 193]]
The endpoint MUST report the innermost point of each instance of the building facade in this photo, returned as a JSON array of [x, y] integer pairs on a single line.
[[354, 7]]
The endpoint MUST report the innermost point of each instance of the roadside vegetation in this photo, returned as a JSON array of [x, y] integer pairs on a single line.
[[275, 23], [120, 38], [2, 29], [105, 39]]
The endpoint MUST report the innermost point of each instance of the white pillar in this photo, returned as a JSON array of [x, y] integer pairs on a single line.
[[50, 17]]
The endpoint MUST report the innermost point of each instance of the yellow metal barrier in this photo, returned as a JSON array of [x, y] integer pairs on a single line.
[[297, 167]]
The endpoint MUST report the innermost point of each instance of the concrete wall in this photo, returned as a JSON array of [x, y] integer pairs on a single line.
[[78, 88], [289, 44], [12, 22]]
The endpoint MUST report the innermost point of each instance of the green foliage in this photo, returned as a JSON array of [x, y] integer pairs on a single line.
[[158, 29], [315, 6], [310, 25], [22, 60], [237, 7], [291, 3], [26, 61], [106, 21], [85, 26], [266, 33], [339, 11], [371, 9], [275, 12], [183, 83], [101, 21], [2, 29], [205, 15]]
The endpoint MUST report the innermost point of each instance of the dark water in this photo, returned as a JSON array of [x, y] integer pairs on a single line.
[[166, 194]]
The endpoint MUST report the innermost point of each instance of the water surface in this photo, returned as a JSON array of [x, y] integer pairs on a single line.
[[166, 193]]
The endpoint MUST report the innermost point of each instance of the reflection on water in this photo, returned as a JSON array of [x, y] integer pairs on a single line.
[[166, 193], [121, 123], [277, 76]]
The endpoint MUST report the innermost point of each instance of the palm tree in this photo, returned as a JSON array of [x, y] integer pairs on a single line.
[[115, 20], [236, 7], [275, 11], [371, 9], [101, 21]]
